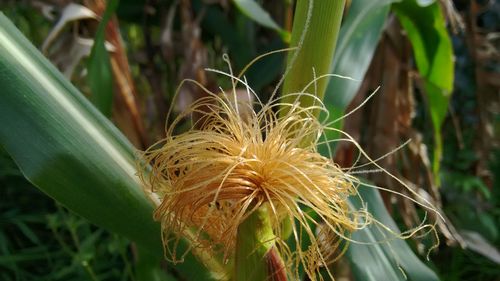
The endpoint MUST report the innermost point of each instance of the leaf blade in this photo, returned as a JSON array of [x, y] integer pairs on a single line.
[[254, 11], [358, 40], [99, 76], [43, 125], [391, 260], [70, 151], [433, 52]]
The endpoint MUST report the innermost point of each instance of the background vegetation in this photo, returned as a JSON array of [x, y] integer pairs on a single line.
[[163, 42]]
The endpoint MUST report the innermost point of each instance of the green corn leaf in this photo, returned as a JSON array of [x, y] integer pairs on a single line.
[[99, 75], [70, 151], [433, 52], [254, 11], [64, 146], [424, 3], [358, 38], [391, 260]]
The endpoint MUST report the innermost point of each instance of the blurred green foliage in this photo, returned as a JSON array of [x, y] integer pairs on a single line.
[[41, 240]]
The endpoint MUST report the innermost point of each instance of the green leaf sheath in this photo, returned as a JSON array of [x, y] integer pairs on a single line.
[[99, 75], [315, 29], [433, 52], [254, 241]]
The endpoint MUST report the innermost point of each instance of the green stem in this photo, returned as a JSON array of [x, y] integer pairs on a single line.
[[315, 30], [437, 154], [255, 248]]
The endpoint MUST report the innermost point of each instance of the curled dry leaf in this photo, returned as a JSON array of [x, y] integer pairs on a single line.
[[72, 12]]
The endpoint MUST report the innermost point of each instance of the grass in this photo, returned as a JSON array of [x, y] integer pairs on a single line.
[[42, 240]]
